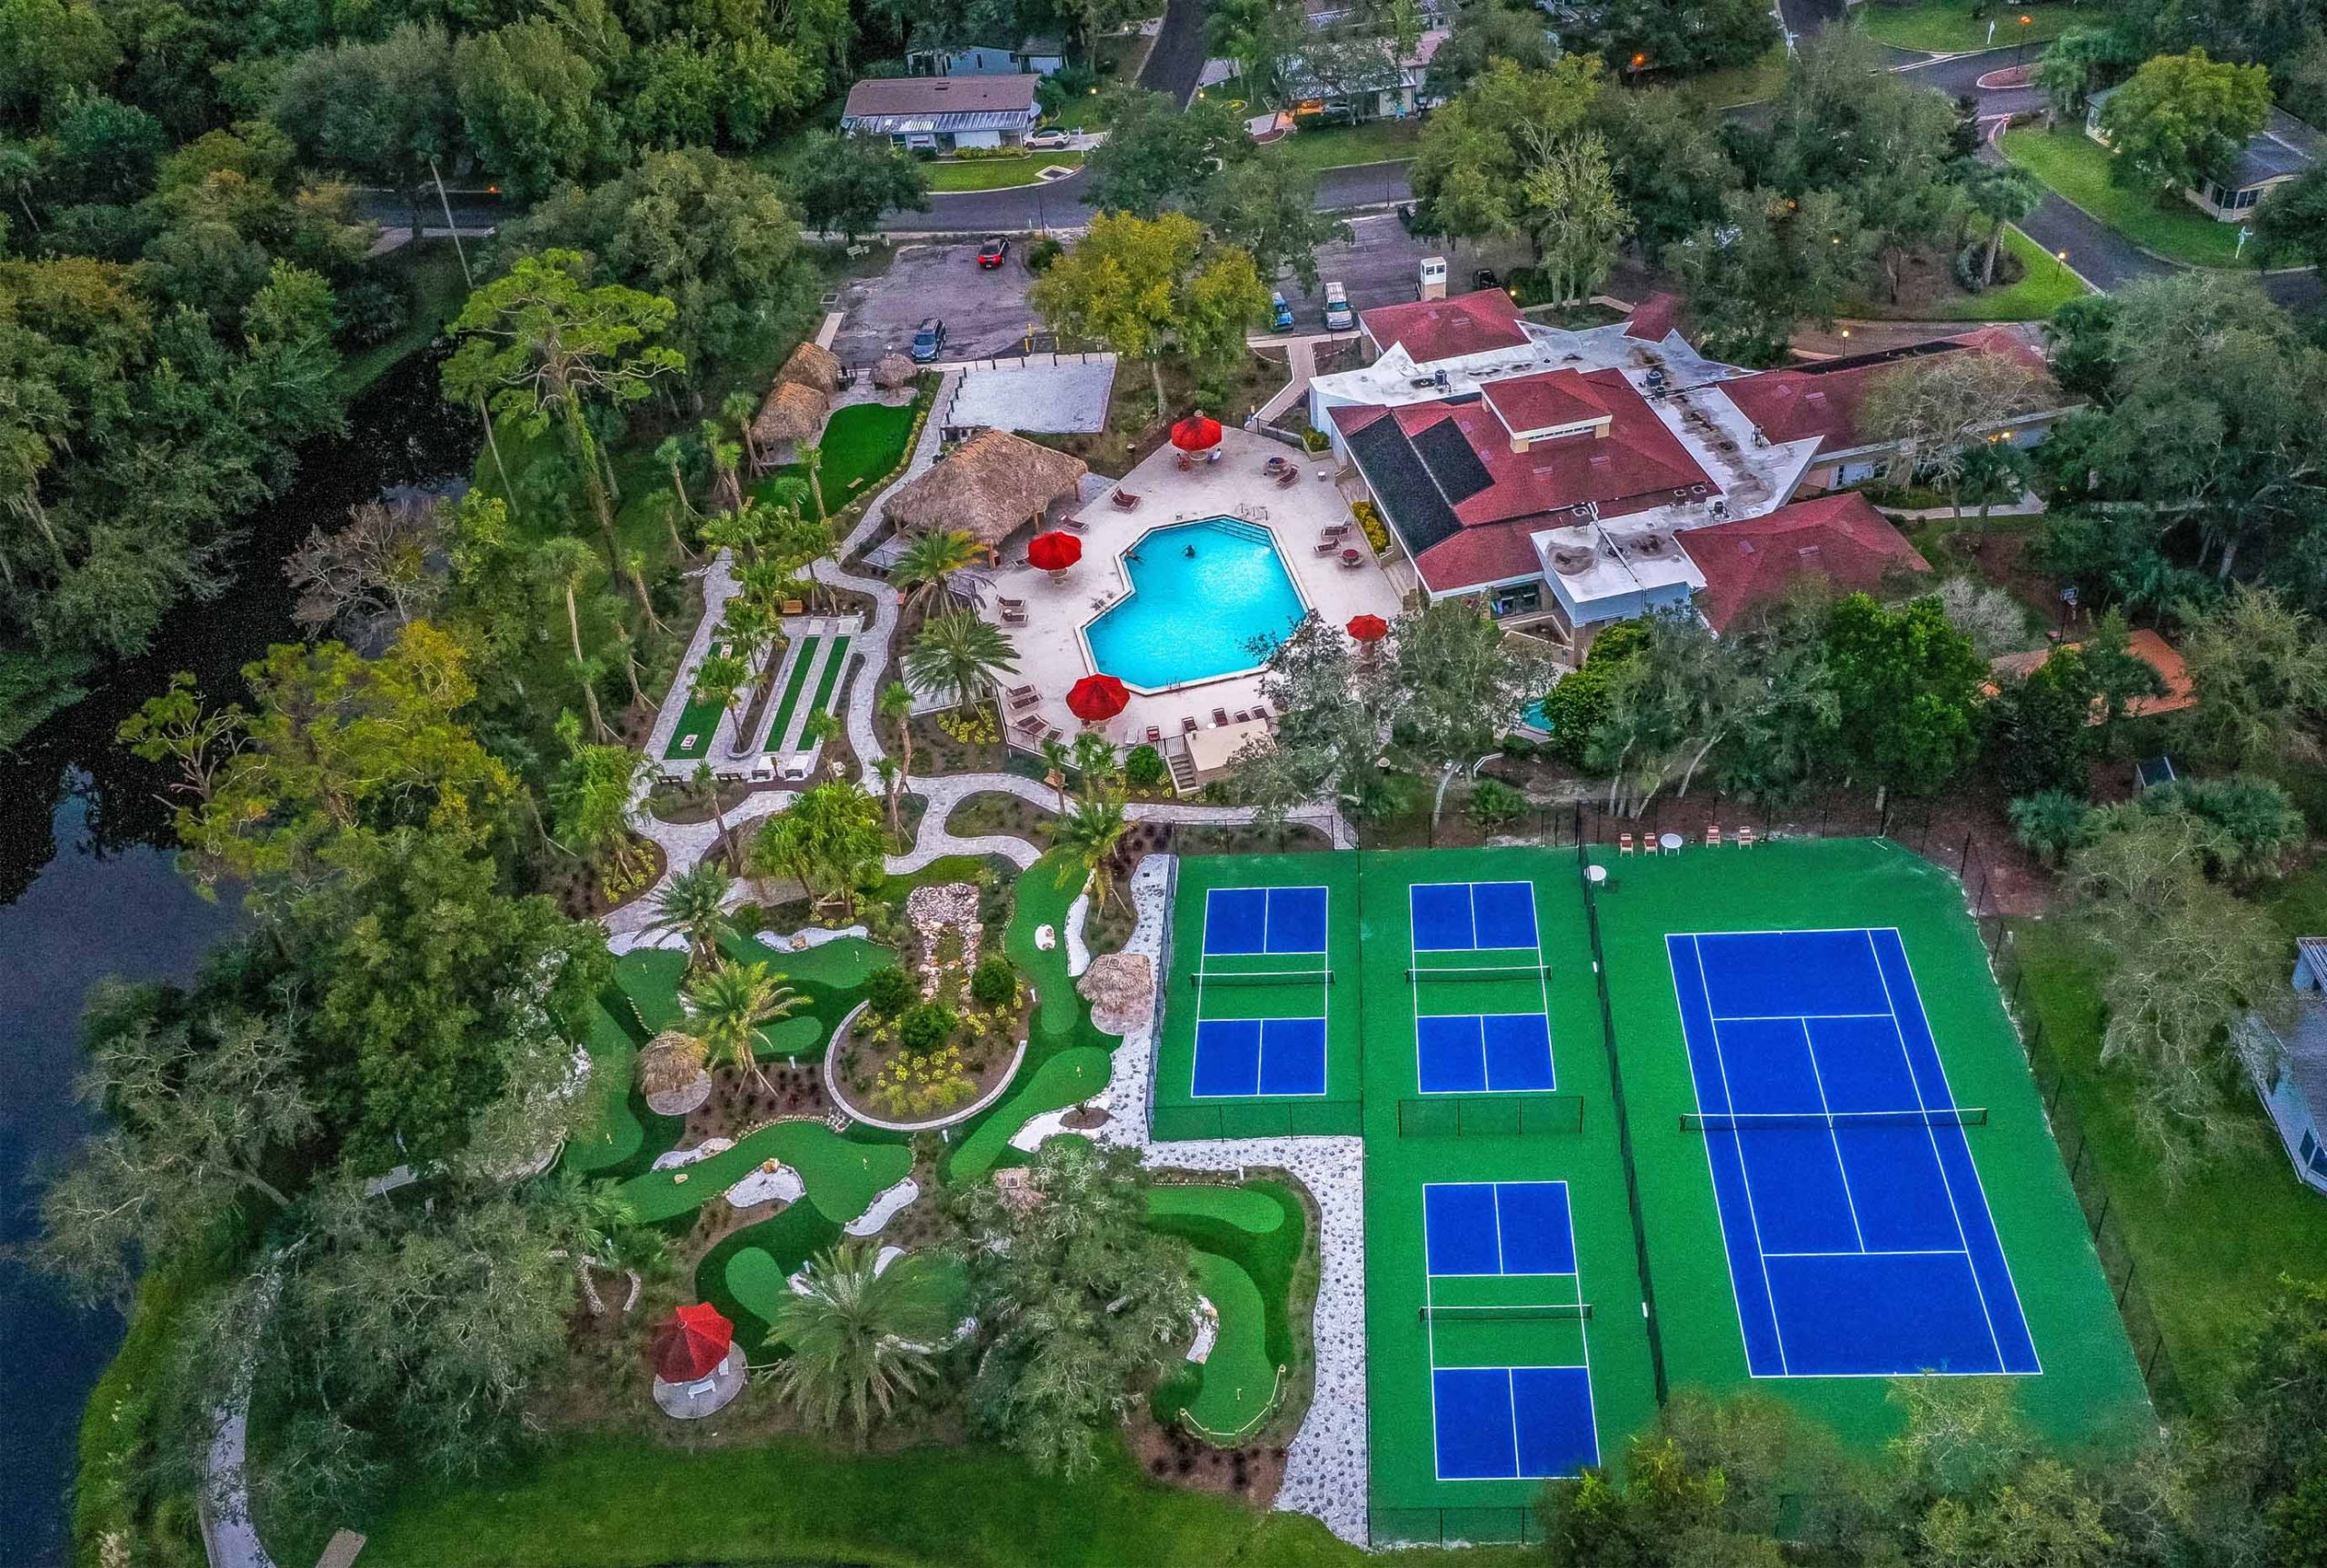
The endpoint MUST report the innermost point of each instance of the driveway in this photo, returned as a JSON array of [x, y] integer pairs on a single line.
[[985, 312]]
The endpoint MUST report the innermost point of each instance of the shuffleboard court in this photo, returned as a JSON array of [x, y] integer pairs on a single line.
[[1859, 1235]]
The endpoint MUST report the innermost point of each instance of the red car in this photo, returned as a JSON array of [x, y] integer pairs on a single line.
[[990, 254]]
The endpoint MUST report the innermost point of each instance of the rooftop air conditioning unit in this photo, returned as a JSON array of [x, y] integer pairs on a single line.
[[1651, 546], [1571, 563]]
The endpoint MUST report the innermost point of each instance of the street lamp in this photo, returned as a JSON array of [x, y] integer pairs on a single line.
[[2020, 52], [2061, 256]]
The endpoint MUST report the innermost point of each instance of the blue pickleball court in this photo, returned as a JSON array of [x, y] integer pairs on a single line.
[[1241, 921], [1472, 916]]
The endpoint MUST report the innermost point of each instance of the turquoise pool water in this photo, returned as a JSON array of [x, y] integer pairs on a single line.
[[1201, 593]]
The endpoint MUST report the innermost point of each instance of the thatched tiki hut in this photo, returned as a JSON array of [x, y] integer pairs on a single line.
[[892, 372], [671, 1075], [994, 485], [793, 415]]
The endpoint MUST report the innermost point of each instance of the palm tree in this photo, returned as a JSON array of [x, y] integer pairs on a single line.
[[568, 562], [730, 1002], [1089, 837], [719, 680], [693, 904], [811, 458], [741, 406], [1095, 762], [2004, 193], [1057, 762], [707, 784], [727, 489], [896, 705], [960, 651], [930, 561], [673, 455], [863, 1341]]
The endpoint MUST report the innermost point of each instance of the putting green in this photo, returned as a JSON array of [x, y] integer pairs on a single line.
[[615, 1133], [841, 1177], [758, 1282], [1239, 1386], [1246, 1208], [1069, 1078], [650, 978]]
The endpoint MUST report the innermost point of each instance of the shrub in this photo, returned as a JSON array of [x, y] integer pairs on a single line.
[[1314, 440], [2050, 823], [1369, 521], [925, 1026], [1042, 253], [889, 991], [924, 1086], [1143, 767], [1496, 805], [995, 983]]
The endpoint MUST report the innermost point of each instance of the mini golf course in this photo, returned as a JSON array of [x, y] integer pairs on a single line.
[[1248, 1244], [841, 1177]]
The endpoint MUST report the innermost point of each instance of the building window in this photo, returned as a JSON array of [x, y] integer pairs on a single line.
[[2245, 198], [1524, 600]]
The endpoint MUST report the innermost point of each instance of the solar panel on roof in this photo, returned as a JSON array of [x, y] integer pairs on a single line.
[[1447, 454], [1409, 500]]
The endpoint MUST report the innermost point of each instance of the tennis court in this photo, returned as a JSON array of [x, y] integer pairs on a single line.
[[1481, 1015], [1858, 1232]]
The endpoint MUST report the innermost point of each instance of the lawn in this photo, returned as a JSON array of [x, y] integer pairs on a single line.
[[996, 173], [1735, 85], [2077, 167], [624, 1502], [2045, 285], [1951, 26], [2209, 1250], [861, 444], [1317, 147]]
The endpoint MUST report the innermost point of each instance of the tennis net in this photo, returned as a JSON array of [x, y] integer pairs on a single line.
[[1489, 1116], [1558, 1312], [1752, 1121], [1230, 979], [1458, 973]]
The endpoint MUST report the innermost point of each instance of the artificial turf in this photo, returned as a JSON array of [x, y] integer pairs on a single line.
[[1260, 1229], [862, 445], [803, 655], [843, 1175]]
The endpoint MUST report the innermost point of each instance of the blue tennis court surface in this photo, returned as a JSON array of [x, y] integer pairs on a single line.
[[1513, 1422], [1858, 1237], [1497, 1228], [1469, 1054], [1470, 916], [1260, 1056], [1243, 920]]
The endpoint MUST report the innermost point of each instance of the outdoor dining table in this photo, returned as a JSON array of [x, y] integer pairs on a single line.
[[1669, 844]]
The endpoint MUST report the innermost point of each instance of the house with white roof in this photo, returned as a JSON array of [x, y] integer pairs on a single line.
[[944, 113]]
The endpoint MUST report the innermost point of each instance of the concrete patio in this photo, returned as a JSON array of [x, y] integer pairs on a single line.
[[1051, 654]]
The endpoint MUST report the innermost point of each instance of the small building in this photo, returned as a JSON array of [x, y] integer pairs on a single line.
[[2265, 163], [1350, 81], [2290, 1065], [1841, 539], [944, 113], [1035, 56], [992, 485]]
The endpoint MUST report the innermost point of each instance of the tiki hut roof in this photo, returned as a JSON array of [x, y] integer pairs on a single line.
[[814, 367], [671, 1075], [991, 485], [892, 371], [793, 412], [1121, 989]]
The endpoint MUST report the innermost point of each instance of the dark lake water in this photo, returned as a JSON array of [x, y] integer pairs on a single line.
[[88, 889]]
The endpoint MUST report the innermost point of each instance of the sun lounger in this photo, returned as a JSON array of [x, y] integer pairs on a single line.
[[1327, 546], [1288, 478], [1023, 696], [1007, 603], [1014, 617], [1031, 726], [1220, 717], [1125, 501], [1188, 725], [1077, 526], [1155, 734]]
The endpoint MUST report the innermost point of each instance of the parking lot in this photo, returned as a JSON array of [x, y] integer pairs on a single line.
[[984, 313], [1380, 265]]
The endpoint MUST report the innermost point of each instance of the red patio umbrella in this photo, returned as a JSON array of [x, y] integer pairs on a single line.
[[691, 1343], [1054, 552], [1095, 699], [1368, 628], [1196, 433]]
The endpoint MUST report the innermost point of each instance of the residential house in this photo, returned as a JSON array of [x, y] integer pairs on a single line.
[[1353, 80], [944, 113], [1840, 539], [2268, 160], [1035, 56], [2289, 1066]]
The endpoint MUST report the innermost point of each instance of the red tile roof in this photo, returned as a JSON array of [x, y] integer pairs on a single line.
[[1543, 401], [2143, 644], [1822, 399], [1483, 499], [1434, 329], [1652, 317], [1839, 537]]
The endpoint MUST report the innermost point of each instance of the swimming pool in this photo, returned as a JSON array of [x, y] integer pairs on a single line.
[[1200, 594]]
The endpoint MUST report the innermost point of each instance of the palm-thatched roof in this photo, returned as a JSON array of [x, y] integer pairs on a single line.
[[793, 413], [671, 1075], [811, 365], [892, 371], [1121, 989], [992, 484]]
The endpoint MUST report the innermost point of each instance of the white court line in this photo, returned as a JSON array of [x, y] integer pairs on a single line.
[[1744, 1174], [1914, 993], [1789, 1017], [1834, 1138], [1946, 1184], [1882, 1253]]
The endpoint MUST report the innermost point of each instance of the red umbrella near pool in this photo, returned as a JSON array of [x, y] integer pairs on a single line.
[[1054, 553], [1095, 699], [1368, 628], [1196, 433], [691, 1343]]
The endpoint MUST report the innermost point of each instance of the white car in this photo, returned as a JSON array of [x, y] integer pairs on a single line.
[[1050, 141], [1339, 317]]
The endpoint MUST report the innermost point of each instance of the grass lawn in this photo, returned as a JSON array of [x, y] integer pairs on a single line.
[[2077, 167], [861, 444], [1319, 147], [429, 274], [2043, 287], [624, 1502], [996, 173], [1735, 85], [2211, 1249], [1088, 112], [1946, 27]]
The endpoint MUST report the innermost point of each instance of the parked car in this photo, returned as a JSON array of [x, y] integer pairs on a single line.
[[1279, 313], [1339, 317], [990, 254], [928, 341], [1484, 278], [1050, 141]]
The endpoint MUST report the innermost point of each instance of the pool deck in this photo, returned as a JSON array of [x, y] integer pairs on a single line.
[[1050, 655]]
